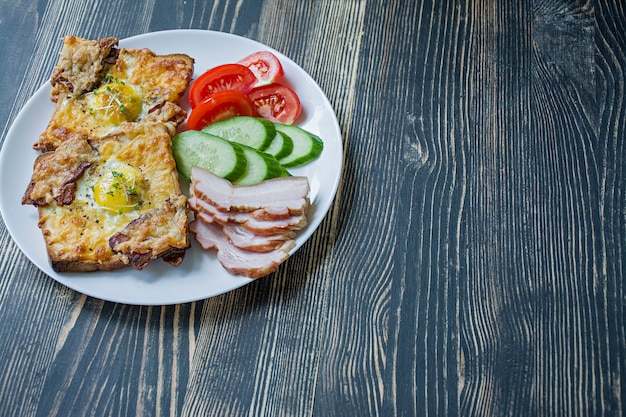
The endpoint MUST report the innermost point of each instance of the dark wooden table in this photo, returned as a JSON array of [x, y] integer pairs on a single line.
[[473, 260]]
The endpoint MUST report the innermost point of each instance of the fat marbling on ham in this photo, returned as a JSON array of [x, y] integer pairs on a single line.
[[252, 227]]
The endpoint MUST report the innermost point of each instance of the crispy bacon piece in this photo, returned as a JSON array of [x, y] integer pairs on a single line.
[[55, 173], [150, 230]]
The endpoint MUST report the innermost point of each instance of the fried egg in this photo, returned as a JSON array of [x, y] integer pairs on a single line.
[[114, 103], [115, 187], [96, 114]]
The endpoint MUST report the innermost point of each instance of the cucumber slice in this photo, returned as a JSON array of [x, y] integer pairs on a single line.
[[255, 132], [261, 166], [281, 146], [192, 148], [306, 146]]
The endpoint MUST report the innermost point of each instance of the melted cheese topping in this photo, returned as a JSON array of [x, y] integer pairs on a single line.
[[165, 76]]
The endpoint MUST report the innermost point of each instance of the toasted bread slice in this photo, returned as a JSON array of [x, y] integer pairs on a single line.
[[111, 202], [98, 87]]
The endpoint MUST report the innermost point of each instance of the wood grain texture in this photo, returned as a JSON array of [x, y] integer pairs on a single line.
[[539, 316], [472, 263]]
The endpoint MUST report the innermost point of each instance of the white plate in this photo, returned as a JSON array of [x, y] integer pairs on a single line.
[[200, 276]]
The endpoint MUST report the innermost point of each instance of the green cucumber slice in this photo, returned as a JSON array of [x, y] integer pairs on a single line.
[[260, 167], [223, 158], [306, 146], [281, 146], [255, 132]]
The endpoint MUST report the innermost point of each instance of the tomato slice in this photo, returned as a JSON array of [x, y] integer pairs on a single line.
[[265, 65], [276, 102], [221, 78], [220, 106]]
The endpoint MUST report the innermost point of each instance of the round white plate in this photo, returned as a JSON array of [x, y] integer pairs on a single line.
[[200, 276]]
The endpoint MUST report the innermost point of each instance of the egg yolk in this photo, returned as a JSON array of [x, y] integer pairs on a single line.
[[116, 102], [119, 190]]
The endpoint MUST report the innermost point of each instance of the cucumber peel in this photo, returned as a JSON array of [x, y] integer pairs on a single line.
[[245, 150], [261, 166], [255, 132], [306, 146], [215, 154], [281, 145]]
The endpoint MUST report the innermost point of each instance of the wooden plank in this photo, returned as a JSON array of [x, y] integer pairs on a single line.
[[147, 352], [496, 309], [535, 307], [404, 181]]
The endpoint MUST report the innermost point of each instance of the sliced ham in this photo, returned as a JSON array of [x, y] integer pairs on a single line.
[[245, 239], [275, 213], [265, 213], [263, 231], [272, 227], [252, 227], [255, 225], [278, 194], [199, 205], [237, 260]]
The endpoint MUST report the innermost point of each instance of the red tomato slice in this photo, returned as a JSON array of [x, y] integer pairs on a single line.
[[221, 78], [265, 66], [276, 102], [220, 106]]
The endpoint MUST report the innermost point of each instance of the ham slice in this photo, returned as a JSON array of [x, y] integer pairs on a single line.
[[263, 213], [199, 205], [275, 195], [262, 227], [252, 227], [245, 239], [237, 260]]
